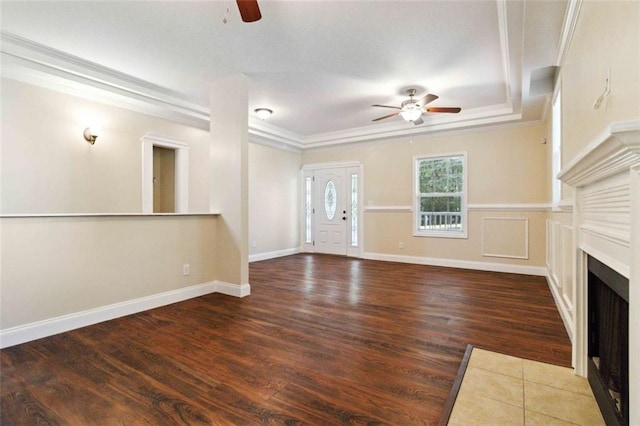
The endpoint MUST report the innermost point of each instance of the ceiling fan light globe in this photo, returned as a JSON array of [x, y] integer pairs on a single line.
[[411, 114]]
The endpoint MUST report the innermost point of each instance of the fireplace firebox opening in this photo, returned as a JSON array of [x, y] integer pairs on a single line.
[[608, 367]]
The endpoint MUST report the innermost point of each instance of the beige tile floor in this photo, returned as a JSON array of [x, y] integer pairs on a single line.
[[499, 389]]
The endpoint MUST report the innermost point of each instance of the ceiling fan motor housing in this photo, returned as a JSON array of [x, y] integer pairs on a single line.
[[410, 104]]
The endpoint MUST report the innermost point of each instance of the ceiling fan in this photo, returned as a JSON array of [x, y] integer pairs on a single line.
[[412, 109], [249, 10]]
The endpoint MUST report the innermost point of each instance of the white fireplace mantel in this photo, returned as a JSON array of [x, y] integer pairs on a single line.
[[614, 151], [606, 217]]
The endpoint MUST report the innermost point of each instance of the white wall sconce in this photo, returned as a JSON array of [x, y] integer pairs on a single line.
[[90, 136], [263, 113]]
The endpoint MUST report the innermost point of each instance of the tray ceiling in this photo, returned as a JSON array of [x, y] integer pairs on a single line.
[[320, 65]]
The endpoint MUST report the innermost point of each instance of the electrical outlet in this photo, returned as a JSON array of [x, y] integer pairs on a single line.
[[400, 245], [254, 244], [186, 269]]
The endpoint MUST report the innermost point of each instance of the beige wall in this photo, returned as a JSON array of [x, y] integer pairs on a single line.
[[274, 176], [56, 266], [506, 166], [59, 266], [500, 164], [384, 232], [606, 37], [48, 167]]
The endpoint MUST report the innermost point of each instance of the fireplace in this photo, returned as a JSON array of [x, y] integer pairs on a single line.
[[605, 177], [608, 345]]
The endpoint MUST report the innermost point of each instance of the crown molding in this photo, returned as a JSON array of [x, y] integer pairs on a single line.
[[501, 6], [568, 29], [372, 133], [267, 134], [37, 64]]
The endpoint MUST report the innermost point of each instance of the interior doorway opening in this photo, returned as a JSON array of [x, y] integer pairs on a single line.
[[165, 175], [164, 160]]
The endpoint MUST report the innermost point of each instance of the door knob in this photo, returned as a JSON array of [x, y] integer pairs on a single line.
[[344, 218]]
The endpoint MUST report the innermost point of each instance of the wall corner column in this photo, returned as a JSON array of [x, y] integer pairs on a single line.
[[229, 130]]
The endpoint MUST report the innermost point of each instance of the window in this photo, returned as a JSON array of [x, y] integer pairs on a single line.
[[440, 196], [307, 210], [330, 200], [354, 209]]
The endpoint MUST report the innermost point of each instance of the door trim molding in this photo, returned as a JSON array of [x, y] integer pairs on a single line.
[[330, 165]]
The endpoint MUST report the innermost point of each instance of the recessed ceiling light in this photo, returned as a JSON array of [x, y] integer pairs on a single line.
[[263, 113]]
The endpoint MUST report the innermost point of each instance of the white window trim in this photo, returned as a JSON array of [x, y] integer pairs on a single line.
[[150, 140], [556, 145], [463, 207], [306, 246], [307, 214]]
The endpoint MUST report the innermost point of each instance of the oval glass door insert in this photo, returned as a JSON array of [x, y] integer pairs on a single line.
[[330, 200]]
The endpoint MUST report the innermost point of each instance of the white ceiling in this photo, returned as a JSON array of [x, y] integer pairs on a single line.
[[320, 65]]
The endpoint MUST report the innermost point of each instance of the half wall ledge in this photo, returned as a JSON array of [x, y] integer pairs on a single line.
[[53, 215]]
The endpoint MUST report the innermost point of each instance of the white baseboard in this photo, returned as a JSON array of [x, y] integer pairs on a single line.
[[463, 264], [236, 290], [273, 254], [557, 298], [49, 327]]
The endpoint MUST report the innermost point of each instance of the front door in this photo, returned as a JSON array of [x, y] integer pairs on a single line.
[[330, 193]]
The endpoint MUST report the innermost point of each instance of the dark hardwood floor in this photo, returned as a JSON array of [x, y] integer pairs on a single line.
[[321, 340]]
